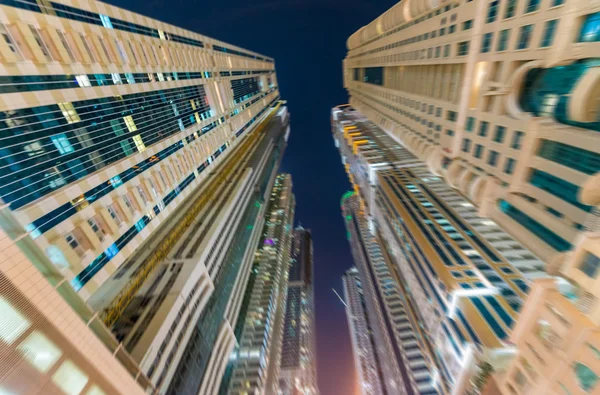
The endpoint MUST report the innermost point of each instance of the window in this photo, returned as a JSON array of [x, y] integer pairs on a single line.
[[499, 135], [38, 39], [74, 244], [483, 128], [83, 80], [486, 42], [516, 140], [13, 322], [470, 124], [466, 145], [438, 51], [61, 142], [548, 35], [130, 123], [557, 187], [463, 48], [9, 41], [478, 151], [450, 132], [106, 21], [579, 159], [446, 50], [525, 36], [511, 7], [442, 31], [128, 204], [533, 5], [557, 2], [39, 351], [492, 158], [451, 116], [590, 265], [66, 45], [467, 24], [69, 378], [503, 40], [97, 229], [373, 75], [87, 47], [492, 11], [112, 210], [142, 194], [509, 166], [69, 112], [451, 29], [116, 78], [139, 143], [586, 378]]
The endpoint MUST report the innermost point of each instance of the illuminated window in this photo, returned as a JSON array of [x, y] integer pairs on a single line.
[[62, 144], [34, 148], [70, 378], [131, 125], [83, 80], [106, 21], [139, 143], [69, 112], [116, 77], [13, 322], [39, 351]]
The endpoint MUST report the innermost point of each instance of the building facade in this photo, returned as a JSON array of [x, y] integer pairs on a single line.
[[366, 361], [499, 98], [403, 354], [255, 362], [137, 162], [298, 375], [454, 267]]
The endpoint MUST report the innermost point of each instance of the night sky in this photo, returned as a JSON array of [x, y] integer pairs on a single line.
[[307, 39]]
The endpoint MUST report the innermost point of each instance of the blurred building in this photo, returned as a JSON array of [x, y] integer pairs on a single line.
[[403, 356], [366, 360], [464, 276], [255, 363], [137, 160], [298, 375], [499, 98]]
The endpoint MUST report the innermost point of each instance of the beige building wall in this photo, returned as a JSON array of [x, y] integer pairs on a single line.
[[453, 75]]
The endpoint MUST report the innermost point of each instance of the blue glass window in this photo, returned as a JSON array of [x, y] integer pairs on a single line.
[[486, 42], [533, 5], [585, 161], [548, 35], [557, 2], [511, 8], [467, 24], [373, 75], [586, 378], [590, 265], [483, 128], [509, 166], [463, 48], [478, 151], [557, 187], [542, 232], [466, 145], [525, 36], [470, 124], [503, 40], [516, 140], [590, 30], [499, 135], [492, 11]]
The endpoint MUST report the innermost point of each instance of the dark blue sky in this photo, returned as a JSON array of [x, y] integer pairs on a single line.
[[307, 39]]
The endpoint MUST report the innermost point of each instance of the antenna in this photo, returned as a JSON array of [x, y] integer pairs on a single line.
[[338, 295]]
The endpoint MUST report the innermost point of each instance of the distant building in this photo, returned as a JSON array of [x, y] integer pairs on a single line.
[[366, 362], [403, 358], [255, 362], [298, 375]]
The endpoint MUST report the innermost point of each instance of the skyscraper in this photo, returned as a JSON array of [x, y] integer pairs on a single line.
[[366, 362], [455, 269], [255, 363], [137, 159], [499, 99], [496, 96], [404, 358], [298, 360]]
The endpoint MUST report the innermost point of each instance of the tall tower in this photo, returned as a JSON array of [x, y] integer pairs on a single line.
[[366, 361], [298, 374], [255, 363], [499, 99], [454, 270], [136, 161], [404, 360], [495, 96]]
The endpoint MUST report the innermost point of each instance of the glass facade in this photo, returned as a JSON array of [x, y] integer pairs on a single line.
[[539, 230], [557, 187]]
